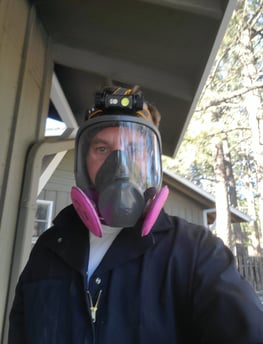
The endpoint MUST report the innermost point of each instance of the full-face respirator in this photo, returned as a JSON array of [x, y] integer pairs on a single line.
[[118, 164]]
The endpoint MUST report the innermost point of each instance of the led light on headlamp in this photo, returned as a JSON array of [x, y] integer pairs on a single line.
[[125, 101]]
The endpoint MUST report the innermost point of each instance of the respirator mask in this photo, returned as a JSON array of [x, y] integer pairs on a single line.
[[118, 165]]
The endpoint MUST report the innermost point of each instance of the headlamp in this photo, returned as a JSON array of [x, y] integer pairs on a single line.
[[119, 102]]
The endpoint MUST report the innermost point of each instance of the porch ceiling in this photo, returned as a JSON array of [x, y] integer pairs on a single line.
[[165, 46]]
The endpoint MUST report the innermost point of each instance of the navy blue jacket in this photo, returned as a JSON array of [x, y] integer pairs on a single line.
[[176, 285]]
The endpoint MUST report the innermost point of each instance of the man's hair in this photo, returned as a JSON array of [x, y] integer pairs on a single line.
[[155, 114]]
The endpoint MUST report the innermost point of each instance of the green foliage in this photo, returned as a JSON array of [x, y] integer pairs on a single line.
[[222, 113]]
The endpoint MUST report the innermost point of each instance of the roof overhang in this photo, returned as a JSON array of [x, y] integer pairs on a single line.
[[165, 46]]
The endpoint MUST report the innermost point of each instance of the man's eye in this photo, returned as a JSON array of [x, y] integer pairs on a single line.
[[100, 149]]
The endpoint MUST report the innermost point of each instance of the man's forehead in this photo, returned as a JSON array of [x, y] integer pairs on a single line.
[[122, 131]]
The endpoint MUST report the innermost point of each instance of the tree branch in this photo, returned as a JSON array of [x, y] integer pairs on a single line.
[[227, 97]]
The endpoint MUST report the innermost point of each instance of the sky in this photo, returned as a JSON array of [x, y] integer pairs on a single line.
[[54, 128]]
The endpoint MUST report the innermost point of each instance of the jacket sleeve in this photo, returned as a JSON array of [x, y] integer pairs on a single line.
[[16, 333], [225, 307], [17, 317]]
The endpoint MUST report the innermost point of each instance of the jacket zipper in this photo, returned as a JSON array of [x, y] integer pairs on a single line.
[[91, 319], [94, 307]]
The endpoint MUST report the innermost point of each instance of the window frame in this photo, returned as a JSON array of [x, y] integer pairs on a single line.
[[47, 220]]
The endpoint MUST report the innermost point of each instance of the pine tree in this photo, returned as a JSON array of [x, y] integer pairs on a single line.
[[225, 135]]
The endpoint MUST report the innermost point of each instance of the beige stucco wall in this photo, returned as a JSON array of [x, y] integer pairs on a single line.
[[25, 77]]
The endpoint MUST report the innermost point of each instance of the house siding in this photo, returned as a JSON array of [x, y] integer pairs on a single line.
[[180, 205], [58, 188]]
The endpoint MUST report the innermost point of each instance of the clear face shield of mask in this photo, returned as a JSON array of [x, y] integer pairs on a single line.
[[118, 165]]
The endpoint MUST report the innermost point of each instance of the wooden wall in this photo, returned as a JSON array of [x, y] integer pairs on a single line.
[[181, 205]]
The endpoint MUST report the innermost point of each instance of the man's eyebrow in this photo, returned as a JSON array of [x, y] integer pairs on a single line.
[[97, 140]]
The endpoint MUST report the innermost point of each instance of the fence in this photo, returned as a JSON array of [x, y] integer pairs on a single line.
[[251, 268]]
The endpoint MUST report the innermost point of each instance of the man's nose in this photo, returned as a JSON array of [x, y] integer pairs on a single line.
[[118, 145], [122, 164]]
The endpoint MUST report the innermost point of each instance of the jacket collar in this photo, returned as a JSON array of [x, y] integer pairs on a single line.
[[130, 244], [72, 241], [163, 223]]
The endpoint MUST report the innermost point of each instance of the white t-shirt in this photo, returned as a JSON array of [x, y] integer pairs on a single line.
[[99, 246]]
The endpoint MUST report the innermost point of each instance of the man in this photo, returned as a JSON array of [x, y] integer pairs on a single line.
[[115, 268]]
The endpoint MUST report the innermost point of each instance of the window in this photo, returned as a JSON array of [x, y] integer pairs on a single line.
[[42, 219]]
